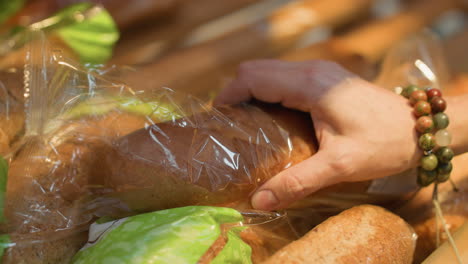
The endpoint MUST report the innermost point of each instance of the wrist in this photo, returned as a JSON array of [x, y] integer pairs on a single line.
[[456, 110]]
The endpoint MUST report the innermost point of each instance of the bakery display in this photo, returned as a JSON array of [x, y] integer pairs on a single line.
[[129, 161]]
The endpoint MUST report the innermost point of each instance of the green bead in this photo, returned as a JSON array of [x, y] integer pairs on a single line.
[[408, 90], [443, 177], [427, 141], [429, 162], [425, 177], [441, 120], [445, 154], [444, 168]]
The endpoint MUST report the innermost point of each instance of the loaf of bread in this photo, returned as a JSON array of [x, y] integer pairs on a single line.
[[118, 164], [362, 234], [205, 159]]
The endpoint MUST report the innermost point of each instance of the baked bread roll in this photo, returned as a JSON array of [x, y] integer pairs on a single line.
[[362, 234]]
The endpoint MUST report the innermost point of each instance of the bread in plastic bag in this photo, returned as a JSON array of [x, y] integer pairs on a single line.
[[94, 147], [76, 119]]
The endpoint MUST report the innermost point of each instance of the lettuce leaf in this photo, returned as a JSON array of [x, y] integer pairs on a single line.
[[92, 37], [87, 29]]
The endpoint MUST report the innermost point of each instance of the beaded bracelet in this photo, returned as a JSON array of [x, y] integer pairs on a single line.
[[429, 107], [436, 165]]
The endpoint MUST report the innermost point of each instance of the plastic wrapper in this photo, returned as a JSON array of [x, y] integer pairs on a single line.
[[94, 147]]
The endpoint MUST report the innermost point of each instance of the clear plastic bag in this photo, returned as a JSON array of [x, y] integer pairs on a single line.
[[94, 147]]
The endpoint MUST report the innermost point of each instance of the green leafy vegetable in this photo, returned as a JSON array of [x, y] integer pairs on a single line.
[[235, 250], [88, 30], [179, 235], [3, 184], [9, 7], [92, 35]]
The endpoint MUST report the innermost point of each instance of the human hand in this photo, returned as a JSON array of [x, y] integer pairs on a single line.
[[364, 131]]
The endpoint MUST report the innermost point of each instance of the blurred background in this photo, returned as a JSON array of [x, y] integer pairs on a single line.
[[196, 46]]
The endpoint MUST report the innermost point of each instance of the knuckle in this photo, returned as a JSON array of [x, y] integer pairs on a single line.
[[343, 163], [294, 186]]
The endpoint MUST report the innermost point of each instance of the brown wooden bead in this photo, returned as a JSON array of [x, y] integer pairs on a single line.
[[431, 93], [422, 108], [424, 124], [416, 96], [438, 105]]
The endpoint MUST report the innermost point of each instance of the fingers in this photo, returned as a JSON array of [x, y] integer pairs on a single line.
[[272, 81], [262, 79], [296, 182], [294, 84]]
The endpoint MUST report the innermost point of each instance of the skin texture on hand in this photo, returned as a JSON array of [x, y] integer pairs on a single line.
[[364, 131]]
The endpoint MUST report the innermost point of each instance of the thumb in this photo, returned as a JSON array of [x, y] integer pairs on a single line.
[[296, 182]]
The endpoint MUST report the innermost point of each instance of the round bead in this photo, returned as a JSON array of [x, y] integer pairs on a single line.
[[422, 108], [417, 96], [429, 162], [441, 120], [427, 141], [443, 138], [408, 90], [443, 177], [424, 124], [444, 168], [444, 154], [431, 93], [425, 178], [438, 104]]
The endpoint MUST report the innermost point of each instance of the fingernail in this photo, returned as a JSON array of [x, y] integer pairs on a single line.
[[264, 200]]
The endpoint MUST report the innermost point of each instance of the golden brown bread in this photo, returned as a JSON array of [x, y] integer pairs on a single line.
[[201, 159], [362, 234], [65, 186]]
